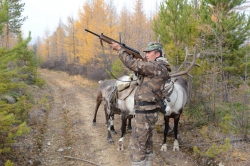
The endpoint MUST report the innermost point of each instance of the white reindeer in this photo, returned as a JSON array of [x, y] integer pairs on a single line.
[[178, 94]]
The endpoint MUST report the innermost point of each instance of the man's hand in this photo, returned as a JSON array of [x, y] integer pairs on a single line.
[[115, 46]]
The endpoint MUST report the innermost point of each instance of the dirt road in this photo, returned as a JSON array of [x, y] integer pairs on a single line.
[[70, 138]]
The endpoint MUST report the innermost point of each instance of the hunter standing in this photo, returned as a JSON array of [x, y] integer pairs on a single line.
[[148, 98]]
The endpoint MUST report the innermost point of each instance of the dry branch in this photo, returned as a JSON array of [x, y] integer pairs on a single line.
[[81, 160]]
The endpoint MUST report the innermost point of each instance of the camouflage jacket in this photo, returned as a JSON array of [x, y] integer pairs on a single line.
[[154, 75]]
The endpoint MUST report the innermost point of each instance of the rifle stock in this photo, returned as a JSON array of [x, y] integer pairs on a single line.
[[109, 40]]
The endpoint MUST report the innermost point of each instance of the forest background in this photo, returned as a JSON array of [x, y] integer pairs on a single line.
[[219, 29]]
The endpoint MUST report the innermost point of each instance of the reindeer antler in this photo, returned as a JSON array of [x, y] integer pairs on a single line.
[[192, 64], [159, 38]]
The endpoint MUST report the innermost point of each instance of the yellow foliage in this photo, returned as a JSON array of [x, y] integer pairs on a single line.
[[95, 18], [98, 16]]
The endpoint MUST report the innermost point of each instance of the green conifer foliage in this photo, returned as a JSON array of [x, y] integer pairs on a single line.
[[176, 24], [227, 30], [17, 69], [3, 14], [13, 104]]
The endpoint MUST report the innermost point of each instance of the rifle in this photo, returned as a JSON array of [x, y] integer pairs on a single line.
[[108, 40]]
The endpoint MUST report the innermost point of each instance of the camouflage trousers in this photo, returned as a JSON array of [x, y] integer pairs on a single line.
[[141, 142]]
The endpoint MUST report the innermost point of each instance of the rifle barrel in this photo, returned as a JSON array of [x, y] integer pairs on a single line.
[[92, 32]]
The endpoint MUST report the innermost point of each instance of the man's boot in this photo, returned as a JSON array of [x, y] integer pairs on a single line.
[[149, 159], [141, 163]]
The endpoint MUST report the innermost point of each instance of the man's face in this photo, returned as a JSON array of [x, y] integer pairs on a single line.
[[151, 55]]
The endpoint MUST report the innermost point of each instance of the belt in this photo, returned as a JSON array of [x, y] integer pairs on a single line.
[[144, 103], [147, 111]]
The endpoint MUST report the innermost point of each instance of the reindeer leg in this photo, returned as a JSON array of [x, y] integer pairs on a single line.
[[164, 144], [109, 138], [123, 131], [112, 128], [106, 115], [98, 102], [176, 122], [129, 125]]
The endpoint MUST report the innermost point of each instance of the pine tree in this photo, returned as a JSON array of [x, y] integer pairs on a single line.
[[17, 69], [177, 27], [15, 19], [224, 30], [3, 14]]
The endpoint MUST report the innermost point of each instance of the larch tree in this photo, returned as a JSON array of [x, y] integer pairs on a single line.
[[139, 24], [53, 47], [40, 48], [60, 37], [95, 18], [84, 21], [125, 24], [112, 31], [70, 39], [46, 44]]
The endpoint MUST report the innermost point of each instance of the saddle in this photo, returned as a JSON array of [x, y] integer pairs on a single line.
[[125, 85], [123, 94], [123, 88]]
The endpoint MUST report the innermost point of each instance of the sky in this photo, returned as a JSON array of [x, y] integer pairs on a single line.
[[45, 14]]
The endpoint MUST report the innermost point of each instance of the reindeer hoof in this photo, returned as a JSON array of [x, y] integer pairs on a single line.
[[94, 124], [129, 129], [176, 146], [120, 144], [176, 149], [110, 140], [164, 147], [113, 132]]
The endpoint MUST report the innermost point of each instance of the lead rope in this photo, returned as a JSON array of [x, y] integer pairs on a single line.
[[111, 94]]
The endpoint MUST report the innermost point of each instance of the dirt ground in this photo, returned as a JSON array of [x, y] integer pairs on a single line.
[[67, 137]]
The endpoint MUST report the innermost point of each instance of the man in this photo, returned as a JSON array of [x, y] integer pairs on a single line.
[[148, 99]]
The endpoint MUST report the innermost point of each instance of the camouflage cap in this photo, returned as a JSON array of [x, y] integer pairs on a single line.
[[153, 46]]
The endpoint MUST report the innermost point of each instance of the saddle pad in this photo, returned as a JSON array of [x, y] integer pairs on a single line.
[[122, 95], [123, 83]]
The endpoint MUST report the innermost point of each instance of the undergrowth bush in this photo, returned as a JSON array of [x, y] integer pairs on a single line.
[[214, 149], [230, 117]]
